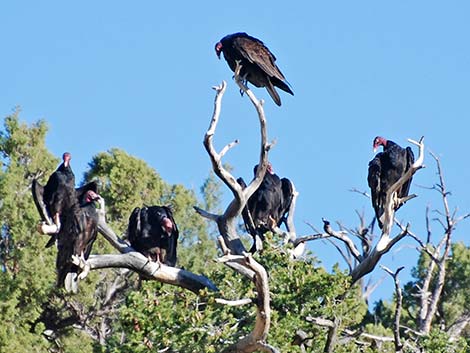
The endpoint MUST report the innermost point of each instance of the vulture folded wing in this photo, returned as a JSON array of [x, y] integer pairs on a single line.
[[373, 179], [257, 53], [410, 159], [134, 227], [38, 197], [287, 196]]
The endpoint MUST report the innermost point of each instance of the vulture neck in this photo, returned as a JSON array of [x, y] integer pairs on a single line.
[[389, 144]]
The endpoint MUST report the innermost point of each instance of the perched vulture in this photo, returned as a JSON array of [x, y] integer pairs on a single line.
[[66, 196], [386, 169], [60, 184], [152, 231], [76, 237], [258, 64], [267, 208]]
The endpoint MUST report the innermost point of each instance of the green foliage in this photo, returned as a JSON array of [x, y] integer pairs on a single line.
[[438, 342], [212, 194], [125, 182], [457, 286], [453, 302]]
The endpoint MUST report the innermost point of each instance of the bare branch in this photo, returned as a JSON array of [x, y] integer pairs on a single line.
[[368, 264], [429, 304], [344, 238], [219, 169], [320, 321], [139, 263], [456, 329], [238, 302], [227, 148], [227, 222], [370, 288], [396, 324], [363, 193], [205, 214], [310, 237]]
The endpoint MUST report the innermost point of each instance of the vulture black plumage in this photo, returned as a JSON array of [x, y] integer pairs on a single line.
[[77, 234], [386, 169], [57, 195], [258, 64], [153, 232], [54, 196], [268, 207]]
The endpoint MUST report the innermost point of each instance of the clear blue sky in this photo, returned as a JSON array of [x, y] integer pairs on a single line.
[[138, 76]]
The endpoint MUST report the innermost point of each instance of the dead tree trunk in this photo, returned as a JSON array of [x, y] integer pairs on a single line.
[[235, 255]]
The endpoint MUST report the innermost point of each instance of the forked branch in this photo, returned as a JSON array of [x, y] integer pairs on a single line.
[[226, 222], [396, 323], [235, 255]]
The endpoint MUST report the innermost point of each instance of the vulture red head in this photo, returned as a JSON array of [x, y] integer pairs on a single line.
[[66, 157], [379, 141], [218, 49], [270, 169], [91, 196], [167, 225]]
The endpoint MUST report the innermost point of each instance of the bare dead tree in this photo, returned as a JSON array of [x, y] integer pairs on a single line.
[[235, 254]]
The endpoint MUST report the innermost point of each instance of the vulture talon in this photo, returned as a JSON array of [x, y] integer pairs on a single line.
[[49, 229]]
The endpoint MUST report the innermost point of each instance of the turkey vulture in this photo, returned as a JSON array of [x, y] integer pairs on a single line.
[[268, 206], [152, 231], [257, 62], [386, 169], [76, 236], [53, 198], [65, 196]]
